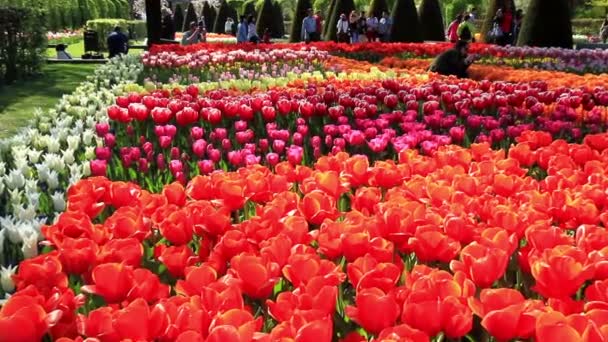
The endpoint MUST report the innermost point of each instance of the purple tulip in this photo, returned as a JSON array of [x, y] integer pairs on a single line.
[[295, 154]]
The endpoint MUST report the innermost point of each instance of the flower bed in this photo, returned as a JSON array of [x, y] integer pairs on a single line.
[[319, 252], [179, 133], [338, 202], [554, 59]]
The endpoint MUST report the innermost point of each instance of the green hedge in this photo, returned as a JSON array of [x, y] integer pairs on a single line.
[[22, 42], [587, 26], [104, 27]]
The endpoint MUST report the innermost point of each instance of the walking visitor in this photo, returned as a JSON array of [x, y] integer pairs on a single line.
[[252, 35], [241, 30], [309, 28], [118, 43], [372, 28], [452, 31], [384, 27], [343, 27], [353, 27]]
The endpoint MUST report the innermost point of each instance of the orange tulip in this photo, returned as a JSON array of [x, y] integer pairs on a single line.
[[484, 265], [565, 265]]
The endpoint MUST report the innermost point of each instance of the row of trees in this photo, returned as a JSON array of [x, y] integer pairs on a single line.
[[73, 14], [546, 22], [270, 16]]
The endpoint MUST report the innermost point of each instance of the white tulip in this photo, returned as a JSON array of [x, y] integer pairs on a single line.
[[33, 198], [43, 171], [87, 136], [86, 169], [14, 180], [74, 139], [89, 152], [16, 196], [30, 246], [52, 144], [54, 162], [68, 156], [25, 214], [6, 278], [34, 155], [2, 238], [2, 168], [58, 201], [10, 229], [53, 180]]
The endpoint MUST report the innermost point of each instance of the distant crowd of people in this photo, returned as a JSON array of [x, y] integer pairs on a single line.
[[356, 28], [506, 25]]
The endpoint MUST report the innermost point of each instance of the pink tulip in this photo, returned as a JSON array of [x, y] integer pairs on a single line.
[[206, 166], [102, 129], [98, 167]]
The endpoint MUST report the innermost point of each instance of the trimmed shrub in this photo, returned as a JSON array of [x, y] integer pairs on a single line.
[[376, 8], [406, 26], [190, 17], [279, 23], [178, 17], [431, 21], [209, 14], [547, 24], [492, 8], [248, 7], [296, 23], [222, 15], [265, 19], [19, 57]]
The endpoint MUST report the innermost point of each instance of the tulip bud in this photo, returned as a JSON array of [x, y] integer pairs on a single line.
[[215, 155], [143, 165], [98, 167], [240, 125], [181, 177], [176, 166], [199, 148], [109, 140], [272, 159], [206, 166], [160, 161], [165, 141], [174, 153], [197, 133], [278, 146], [103, 153], [102, 129], [295, 154], [298, 139]]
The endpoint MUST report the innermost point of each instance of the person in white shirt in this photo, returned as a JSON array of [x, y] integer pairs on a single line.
[[228, 26], [372, 28], [343, 29]]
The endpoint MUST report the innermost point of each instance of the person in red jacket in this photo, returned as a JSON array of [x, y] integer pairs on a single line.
[[319, 22]]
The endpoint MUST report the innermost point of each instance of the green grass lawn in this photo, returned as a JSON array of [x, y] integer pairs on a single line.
[[18, 101]]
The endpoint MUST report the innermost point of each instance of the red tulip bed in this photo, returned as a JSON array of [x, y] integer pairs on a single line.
[[406, 208]]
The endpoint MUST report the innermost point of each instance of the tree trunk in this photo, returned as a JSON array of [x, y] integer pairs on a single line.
[[153, 21], [547, 24]]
